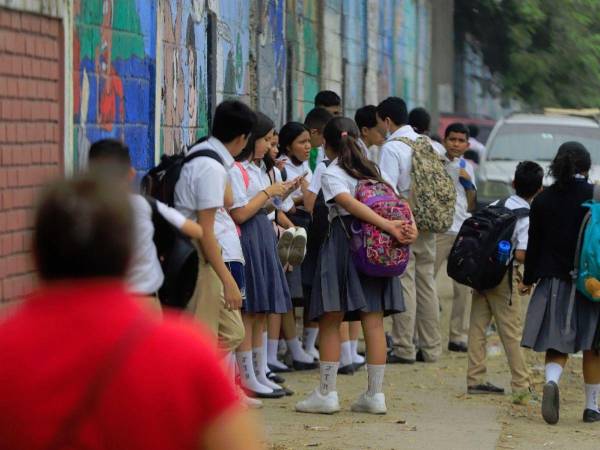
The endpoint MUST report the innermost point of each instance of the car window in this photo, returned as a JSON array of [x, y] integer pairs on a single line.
[[518, 142]]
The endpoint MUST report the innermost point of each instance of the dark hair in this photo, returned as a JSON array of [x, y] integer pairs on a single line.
[[260, 129], [472, 155], [420, 120], [528, 179], [317, 118], [395, 109], [327, 98], [83, 229], [456, 127], [571, 159], [110, 154], [473, 130], [288, 134], [340, 135], [366, 117], [232, 119]]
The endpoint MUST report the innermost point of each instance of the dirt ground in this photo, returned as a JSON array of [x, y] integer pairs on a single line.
[[428, 408]]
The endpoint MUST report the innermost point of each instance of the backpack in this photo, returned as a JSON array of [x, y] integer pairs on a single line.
[[587, 255], [472, 260], [433, 194], [177, 255], [374, 252]]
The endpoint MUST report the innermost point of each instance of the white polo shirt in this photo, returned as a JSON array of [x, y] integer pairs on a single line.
[[145, 275], [461, 207], [294, 171], [395, 159], [317, 177], [201, 186]]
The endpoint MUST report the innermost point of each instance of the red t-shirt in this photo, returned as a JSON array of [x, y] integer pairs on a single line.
[[168, 388]]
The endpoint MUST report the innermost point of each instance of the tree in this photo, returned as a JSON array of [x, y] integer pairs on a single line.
[[545, 52]]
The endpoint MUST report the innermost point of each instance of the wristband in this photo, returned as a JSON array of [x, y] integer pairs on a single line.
[[266, 193]]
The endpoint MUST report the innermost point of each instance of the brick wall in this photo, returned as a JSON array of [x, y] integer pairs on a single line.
[[31, 127]]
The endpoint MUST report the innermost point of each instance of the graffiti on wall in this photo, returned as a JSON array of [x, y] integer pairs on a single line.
[[354, 54], [272, 60], [184, 81], [114, 61], [409, 51], [302, 26], [385, 57], [233, 46]]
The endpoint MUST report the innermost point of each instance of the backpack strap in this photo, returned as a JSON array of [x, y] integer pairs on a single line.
[[244, 173], [206, 153]]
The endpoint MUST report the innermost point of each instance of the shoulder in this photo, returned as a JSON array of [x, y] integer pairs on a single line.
[[140, 206]]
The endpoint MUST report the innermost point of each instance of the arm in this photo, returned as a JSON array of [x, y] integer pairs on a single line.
[[520, 256], [471, 200], [283, 220], [212, 253], [178, 220], [466, 180], [242, 433], [400, 230], [249, 210], [192, 229], [309, 201]]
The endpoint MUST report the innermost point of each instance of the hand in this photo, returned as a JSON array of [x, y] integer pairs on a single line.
[[280, 163], [232, 295], [524, 289], [464, 174], [277, 190], [401, 230]]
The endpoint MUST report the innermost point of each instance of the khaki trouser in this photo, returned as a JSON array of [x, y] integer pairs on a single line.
[[208, 306], [459, 317], [497, 303], [422, 315]]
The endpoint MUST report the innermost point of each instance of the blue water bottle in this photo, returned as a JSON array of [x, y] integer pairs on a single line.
[[503, 252]]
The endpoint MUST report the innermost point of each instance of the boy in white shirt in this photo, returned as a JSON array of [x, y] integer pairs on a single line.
[[315, 121], [371, 136], [503, 303], [456, 142]]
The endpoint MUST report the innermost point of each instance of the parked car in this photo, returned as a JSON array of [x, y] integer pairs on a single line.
[[534, 137]]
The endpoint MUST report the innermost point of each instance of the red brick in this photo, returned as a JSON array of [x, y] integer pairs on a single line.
[[36, 23], [12, 84], [11, 133], [3, 181], [17, 43], [36, 155], [2, 133], [15, 20], [5, 64]]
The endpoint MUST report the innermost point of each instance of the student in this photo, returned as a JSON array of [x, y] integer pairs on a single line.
[[371, 136], [330, 101], [315, 121], [90, 367], [422, 307], [200, 195], [420, 120], [266, 286], [339, 291], [110, 158], [456, 142], [557, 323], [502, 303], [474, 144]]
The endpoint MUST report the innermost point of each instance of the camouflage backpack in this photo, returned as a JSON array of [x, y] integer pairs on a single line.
[[433, 194]]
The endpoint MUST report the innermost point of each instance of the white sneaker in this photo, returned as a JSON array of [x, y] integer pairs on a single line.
[[297, 249], [319, 404], [370, 404], [313, 352], [284, 243]]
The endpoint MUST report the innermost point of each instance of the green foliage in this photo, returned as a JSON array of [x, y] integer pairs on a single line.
[[545, 52]]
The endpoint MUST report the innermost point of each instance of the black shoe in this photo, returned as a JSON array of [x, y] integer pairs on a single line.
[[276, 369], [420, 357], [589, 415], [275, 378], [299, 365], [459, 347], [277, 393], [487, 388], [357, 366], [551, 403], [394, 359], [346, 370]]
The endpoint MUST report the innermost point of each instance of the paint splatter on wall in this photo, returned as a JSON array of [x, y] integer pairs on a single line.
[[354, 54], [184, 93], [272, 60], [385, 60], [114, 62]]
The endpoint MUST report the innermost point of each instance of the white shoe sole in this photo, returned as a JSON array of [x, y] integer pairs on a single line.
[[317, 411], [283, 246], [297, 250]]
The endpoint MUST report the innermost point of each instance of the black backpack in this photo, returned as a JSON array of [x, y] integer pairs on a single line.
[[319, 226], [472, 260], [178, 256]]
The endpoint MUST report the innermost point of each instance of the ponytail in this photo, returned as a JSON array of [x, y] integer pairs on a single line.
[[571, 159]]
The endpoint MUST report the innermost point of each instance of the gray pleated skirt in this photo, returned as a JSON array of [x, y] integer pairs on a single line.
[[266, 287], [547, 323], [298, 277], [338, 286]]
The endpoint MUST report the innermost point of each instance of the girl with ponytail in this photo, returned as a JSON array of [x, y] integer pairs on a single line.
[[560, 320], [339, 291]]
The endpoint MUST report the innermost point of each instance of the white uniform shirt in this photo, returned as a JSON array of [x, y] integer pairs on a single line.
[[294, 171], [317, 177], [372, 153], [461, 207], [201, 186], [145, 276], [474, 144], [395, 159], [520, 236]]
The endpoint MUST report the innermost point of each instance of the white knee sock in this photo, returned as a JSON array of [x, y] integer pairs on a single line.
[[265, 349], [592, 391], [259, 369], [328, 372], [298, 352], [247, 375], [553, 372], [346, 354], [272, 346], [310, 338], [356, 358], [375, 375]]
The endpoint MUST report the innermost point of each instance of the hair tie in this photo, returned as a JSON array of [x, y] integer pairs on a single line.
[[344, 133]]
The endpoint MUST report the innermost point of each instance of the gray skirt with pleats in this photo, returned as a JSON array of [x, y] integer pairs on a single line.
[[266, 287], [554, 322], [338, 286]]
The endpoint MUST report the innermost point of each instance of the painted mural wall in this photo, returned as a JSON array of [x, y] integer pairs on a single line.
[[114, 64], [355, 50]]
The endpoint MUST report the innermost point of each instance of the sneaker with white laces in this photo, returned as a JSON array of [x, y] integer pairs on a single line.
[[370, 404], [318, 403], [284, 244], [297, 249]]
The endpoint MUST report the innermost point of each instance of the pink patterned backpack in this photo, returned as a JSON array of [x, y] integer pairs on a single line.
[[374, 252]]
